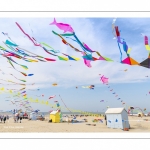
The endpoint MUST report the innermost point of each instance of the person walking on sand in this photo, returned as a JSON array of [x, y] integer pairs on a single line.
[[17, 117], [4, 119], [20, 116]]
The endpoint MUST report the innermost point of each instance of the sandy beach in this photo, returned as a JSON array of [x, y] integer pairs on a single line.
[[137, 124]]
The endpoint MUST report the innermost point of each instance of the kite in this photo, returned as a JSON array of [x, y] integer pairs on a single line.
[[62, 26], [54, 84], [104, 79], [128, 60], [23, 92], [146, 62], [102, 101], [30, 74], [52, 96], [91, 86]]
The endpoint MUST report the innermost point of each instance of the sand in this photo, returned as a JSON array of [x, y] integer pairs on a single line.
[[29, 126]]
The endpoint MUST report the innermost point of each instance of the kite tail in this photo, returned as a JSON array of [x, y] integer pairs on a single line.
[[23, 73], [27, 35], [23, 66], [146, 43], [23, 80], [120, 53]]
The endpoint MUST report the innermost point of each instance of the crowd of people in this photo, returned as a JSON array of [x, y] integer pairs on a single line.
[[17, 116], [3, 118]]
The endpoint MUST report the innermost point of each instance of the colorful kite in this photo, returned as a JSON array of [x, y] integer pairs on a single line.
[[52, 96], [104, 79]]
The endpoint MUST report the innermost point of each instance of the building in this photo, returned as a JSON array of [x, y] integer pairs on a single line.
[[55, 116], [33, 116], [117, 118]]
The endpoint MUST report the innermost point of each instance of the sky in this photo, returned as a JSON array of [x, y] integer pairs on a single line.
[[131, 86]]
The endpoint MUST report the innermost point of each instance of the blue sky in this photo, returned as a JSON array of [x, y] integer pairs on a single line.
[[131, 86]]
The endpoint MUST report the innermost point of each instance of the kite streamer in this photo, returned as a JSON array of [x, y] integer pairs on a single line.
[[27, 35]]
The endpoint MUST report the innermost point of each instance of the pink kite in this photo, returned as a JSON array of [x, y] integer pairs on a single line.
[[52, 96], [104, 79], [62, 26]]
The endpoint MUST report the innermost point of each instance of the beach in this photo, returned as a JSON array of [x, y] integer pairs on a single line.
[[137, 124]]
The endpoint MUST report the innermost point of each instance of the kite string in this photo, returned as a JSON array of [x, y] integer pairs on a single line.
[[64, 103]]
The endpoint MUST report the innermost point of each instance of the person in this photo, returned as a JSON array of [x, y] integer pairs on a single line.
[[14, 111], [16, 117], [4, 119], [20, 116], [106, 119]]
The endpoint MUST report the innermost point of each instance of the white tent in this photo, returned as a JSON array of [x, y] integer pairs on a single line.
[[117, 118]]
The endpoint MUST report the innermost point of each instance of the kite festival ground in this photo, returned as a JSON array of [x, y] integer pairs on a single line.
[[137, 124]]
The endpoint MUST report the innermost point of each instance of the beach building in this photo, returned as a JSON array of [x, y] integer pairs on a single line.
[[33, 116], [55, 116], [117, 118]]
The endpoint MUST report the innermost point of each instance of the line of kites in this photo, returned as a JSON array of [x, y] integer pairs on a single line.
[[105, 81], [25, 102]]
